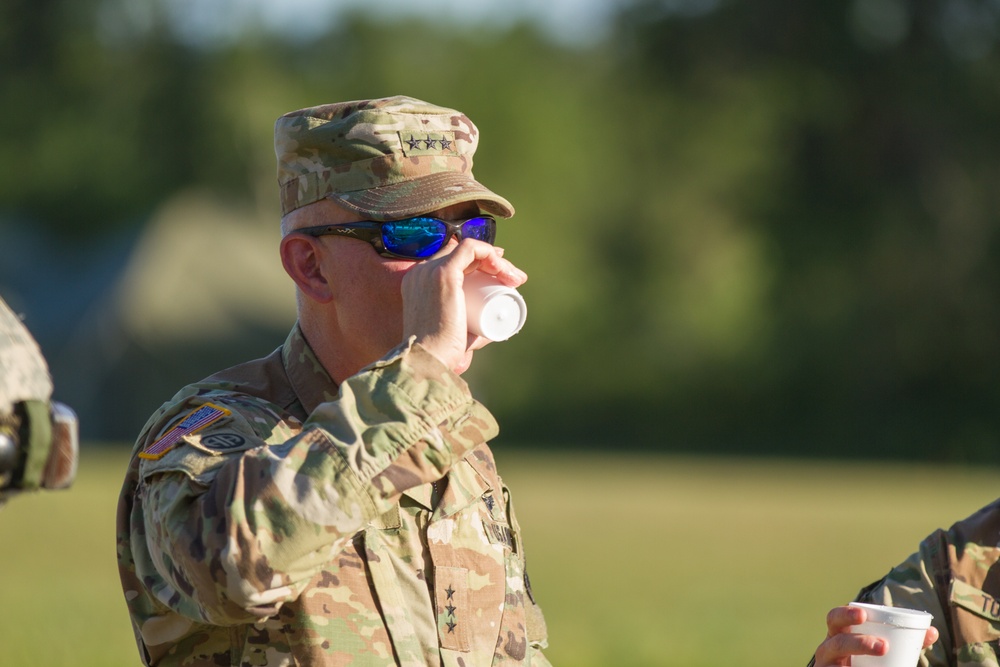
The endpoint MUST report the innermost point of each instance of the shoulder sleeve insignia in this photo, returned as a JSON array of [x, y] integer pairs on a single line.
[[197, 419], [223, 441]]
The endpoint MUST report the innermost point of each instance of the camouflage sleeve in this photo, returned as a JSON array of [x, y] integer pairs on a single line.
[[231, 542], [912, 585]]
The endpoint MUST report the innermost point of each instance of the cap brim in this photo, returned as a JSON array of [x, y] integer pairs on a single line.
[[423, 195]]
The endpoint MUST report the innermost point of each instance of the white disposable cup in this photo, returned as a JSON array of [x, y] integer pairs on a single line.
[[902, 629], [494, 311]]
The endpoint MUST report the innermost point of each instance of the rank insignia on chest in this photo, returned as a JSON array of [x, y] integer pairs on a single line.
[[493, 507], [197, 419]]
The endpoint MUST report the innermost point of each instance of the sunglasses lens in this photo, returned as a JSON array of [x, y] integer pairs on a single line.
[[481, 229], [415, 237]]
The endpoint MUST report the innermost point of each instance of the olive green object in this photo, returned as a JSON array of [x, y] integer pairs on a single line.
[[38, 437]]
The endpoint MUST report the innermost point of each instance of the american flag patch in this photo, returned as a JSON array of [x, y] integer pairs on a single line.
[[195, 421]]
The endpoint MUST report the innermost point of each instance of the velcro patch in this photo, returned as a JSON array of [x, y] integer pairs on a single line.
[[197, 419], [499, 533], [971, 598]]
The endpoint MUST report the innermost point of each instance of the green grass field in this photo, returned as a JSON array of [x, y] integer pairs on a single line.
[[637, 560]]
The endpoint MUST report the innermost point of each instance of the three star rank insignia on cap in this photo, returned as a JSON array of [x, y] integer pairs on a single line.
[[197, 419], [428, 143]]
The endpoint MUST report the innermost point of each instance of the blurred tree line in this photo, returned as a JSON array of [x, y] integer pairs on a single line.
[[750, 227]]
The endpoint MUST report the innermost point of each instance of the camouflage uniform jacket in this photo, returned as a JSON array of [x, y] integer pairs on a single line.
[[954, 575], [268, 519]]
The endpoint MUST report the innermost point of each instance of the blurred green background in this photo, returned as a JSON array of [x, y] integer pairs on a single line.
[[765, 229], [749, 226]]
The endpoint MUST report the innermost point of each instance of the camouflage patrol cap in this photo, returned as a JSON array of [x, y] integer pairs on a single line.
[[385, 158]]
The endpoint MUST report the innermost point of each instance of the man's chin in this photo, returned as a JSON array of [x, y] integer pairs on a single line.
[[465, 363]]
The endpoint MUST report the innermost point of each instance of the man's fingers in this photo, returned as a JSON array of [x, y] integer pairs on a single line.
[[841, 618], [835, 649], [472, 255], [840, 643]]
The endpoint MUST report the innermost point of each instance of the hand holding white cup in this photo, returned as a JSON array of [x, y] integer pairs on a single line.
[[495, 311], [902, 629]]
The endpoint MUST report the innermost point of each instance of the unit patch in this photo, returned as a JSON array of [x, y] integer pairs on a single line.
[[196, 420], [223, 441]]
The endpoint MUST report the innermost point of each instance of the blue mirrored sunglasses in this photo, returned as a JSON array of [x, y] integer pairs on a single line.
[[413, 238]]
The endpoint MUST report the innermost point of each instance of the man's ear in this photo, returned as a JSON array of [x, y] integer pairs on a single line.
[[301, 256]]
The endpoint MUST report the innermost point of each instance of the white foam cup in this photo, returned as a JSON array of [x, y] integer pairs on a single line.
[[902, 629], [494, 311]]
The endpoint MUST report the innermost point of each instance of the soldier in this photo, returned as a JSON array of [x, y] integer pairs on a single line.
[[954, 576], [336, 503], [38, 437]]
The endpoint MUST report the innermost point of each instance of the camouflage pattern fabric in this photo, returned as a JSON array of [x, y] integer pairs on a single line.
[[269, 517], [386, 159], [954, 576], [24, 374], [39, 446]]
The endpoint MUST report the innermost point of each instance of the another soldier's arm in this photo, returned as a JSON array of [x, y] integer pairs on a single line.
[[234, 548]]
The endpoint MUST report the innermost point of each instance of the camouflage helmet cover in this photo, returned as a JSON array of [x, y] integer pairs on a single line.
[[24, 374], [384, 158], [39, 438]]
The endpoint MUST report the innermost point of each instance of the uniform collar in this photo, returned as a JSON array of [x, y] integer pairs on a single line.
[[464, 485], [469, 481], [310, 381]]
